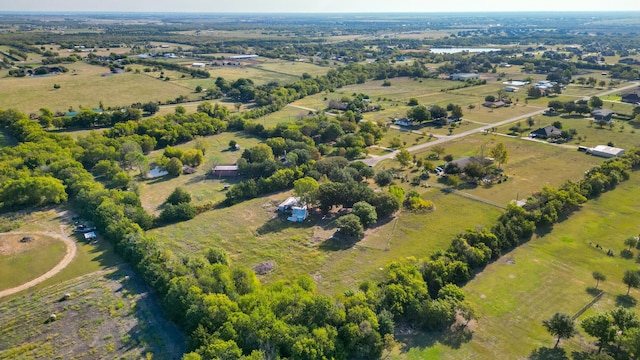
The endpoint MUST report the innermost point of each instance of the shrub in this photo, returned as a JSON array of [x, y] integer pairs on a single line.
[[176, 213], [350, 225], [179, 195]]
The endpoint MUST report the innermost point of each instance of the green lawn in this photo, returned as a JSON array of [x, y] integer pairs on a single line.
[[27, 261], [551, 273], [85, 86]]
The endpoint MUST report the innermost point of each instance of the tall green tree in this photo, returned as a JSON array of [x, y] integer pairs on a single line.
[[499, 154], [598, 276], [404, 157], [560, 325], [631, 278], [307, 189], [365, 212], [601, 327]]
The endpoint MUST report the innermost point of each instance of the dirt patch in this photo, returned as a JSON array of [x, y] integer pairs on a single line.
[[10, 244]]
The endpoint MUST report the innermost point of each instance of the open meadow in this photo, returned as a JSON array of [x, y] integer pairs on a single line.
[[84, 85], [550, 273]]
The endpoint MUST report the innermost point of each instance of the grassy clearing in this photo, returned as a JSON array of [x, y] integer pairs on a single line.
[[21, 262], [89, 257], [105, 317], [551, 273], [84, 85], [299, 249], [296, 68]]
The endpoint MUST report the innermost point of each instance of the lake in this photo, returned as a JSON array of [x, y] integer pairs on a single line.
[[459, 50]]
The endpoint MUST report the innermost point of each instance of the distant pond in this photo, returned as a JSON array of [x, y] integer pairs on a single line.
[[157, 172], [459, 50]]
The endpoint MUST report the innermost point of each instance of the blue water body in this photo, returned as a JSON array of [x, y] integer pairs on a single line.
[[459, 50], [157, 172]]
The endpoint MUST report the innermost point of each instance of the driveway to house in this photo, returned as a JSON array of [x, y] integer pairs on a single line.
[[66, 260], [374, 159]]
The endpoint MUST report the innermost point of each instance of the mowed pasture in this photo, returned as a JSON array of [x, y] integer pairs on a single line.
[[109, 314], [550, 273], [24, 261], [84, 86]]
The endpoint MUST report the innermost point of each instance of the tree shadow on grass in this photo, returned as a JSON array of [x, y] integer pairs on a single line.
[[338, 242], [280, 222], [626, 301], [545, 353], [456, 336], [593, 291]]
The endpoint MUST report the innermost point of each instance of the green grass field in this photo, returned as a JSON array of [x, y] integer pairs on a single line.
[[551, 273], [21, 262], [624, 134], [85, 86]]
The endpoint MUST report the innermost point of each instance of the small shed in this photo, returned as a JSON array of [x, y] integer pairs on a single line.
[[511, 89], [605, 151], [90, 236], [225, 171], [298, 214], [289, 203]]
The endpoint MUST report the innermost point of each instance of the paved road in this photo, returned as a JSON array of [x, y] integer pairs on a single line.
[[66, 260], [374, 159]]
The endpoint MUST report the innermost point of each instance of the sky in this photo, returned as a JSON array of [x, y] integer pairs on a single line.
[[310, 6]]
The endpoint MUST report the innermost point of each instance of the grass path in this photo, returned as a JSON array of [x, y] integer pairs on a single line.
[[68, 257]]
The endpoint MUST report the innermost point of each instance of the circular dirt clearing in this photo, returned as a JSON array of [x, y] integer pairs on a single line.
[[29, 258]]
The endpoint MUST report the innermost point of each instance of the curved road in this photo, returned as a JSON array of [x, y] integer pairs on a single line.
[[373, 160], [66, 260]]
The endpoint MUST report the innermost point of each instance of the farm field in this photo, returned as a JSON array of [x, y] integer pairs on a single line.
[[85, 86], [551, 273], [24, 261], [296, 68], [106, 316]]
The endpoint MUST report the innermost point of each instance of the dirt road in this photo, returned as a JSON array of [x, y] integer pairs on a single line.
[[66, 260]]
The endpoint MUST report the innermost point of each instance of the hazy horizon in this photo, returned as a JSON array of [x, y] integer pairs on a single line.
[[295, 6]]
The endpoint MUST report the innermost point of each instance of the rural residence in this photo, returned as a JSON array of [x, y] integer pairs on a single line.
[[548, 132], [602, 114]]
